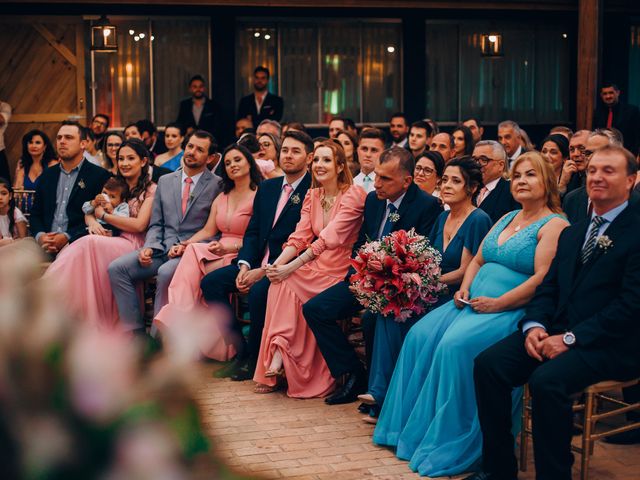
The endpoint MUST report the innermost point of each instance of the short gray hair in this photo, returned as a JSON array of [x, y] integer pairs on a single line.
[[511, 124], [272, 123], [497, 150], [614, 138]]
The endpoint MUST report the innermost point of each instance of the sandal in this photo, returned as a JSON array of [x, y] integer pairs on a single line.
[[262, 388], [275, 373]]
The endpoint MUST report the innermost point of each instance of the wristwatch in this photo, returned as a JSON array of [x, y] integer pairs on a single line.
[[569, 339]]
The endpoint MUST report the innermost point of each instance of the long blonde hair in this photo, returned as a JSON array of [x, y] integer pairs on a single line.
[[345, 180], [545, 171]]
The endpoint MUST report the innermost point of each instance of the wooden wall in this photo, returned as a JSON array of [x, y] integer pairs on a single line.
[[41, 71]]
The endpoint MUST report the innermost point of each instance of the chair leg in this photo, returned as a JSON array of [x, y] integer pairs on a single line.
[[587, 443], [524, 438]]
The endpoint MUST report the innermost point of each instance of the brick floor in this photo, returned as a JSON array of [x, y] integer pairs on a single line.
[[273, 436]]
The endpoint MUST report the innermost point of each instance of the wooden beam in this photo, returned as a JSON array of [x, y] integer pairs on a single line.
[[81, 90], [43, 117], [589, 23], [60, 48]]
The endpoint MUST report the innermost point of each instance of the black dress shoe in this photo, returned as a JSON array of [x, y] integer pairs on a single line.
[[625, 438], [480, 476], [356, 384], [245, 371]]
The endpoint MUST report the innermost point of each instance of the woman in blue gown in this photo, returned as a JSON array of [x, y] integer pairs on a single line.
[[430, 411], [456, 234], [172, 158]]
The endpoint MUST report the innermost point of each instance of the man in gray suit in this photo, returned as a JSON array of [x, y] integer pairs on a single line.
[[180, 208]]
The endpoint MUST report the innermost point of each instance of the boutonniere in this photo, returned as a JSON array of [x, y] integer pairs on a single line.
[[190, 197], [394, 217], [81, 184], [295, 199], [604, 242]]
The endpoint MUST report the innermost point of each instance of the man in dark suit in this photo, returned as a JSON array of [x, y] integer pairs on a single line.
[[261, 104], [580, 328], [612, 113], [396, 204], [199, 112], [276, 211], [56, 216], [399, 131], [495, 197]]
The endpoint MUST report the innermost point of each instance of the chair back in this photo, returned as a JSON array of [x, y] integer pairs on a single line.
[[24, 200]]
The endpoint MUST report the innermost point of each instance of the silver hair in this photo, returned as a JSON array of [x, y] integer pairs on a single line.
[[615, 138], [511, 124], [497, 151], [273, 123]]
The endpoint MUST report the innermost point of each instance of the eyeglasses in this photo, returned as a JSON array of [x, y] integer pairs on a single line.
[[482, 160], [113, 145], [425, 170], [588, 153], [265, 144], [99, 122]]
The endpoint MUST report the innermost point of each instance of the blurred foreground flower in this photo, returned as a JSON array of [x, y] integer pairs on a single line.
[[80, 403]]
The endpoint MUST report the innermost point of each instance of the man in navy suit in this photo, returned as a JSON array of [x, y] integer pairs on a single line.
[[395, 193], [262, 244], [199, 112], [261, 105], [495, 197], [56, 216], [580, 328]]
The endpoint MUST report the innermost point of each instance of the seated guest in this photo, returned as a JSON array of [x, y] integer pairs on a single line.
[[37, 153], [229, 216], [555, 150], [243, 125], [399, 130], [172, 158], [91, 152], [477, 130], [269, 126], [99, 126], [315, 257], [83, 265], [350, 145], [443, 143], [154, 143], [428, 172], [395, 192], [294, 126], [562, 130], [580, 328], [115, 192], [110, 146], [429, 413], [267, 156], [463, 142], [13, 224], [456, 235], [574, 168], [370, 146], [276, 211], [172, 221], [510, 137], [495, 197], [420, 135], [131, 131], [56, 216]]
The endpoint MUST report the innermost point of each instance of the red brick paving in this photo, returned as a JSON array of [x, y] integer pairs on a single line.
[[273, 436]]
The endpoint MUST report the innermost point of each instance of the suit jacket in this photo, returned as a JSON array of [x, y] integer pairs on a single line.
[[598, 301], [626, 118], [168, 226], [158, 172], [88, 184], [261, 231], [272, 108], [418, 210], [499, 201], [576, 203], [210, 119]]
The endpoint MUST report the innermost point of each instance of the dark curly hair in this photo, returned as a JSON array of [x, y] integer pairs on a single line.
[[254, 173], [27, 159], [472, 174], [145, 179]]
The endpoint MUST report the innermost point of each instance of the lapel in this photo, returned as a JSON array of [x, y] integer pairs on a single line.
[[176, 181], [200, 186], [287, 206], [378, 210], [405, 205], [580, 231], [51, 193], [79, 180], [615, 231]]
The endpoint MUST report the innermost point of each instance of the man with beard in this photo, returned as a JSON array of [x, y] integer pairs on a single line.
[[56, 216], [99, 125], [261, 104], [199, 112], [613, 113], [399, 130], [181, 208]]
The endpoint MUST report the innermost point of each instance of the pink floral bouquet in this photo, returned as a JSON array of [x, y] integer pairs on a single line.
[[397, 275]]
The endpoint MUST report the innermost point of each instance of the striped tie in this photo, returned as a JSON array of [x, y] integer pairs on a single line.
[[590, 245]]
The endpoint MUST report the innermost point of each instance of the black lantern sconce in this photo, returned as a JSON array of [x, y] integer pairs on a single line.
[[104, 36], [491, 45]]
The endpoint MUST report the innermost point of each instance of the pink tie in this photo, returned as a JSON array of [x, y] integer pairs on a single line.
[[482, 195], [185, 194], [284, 198]]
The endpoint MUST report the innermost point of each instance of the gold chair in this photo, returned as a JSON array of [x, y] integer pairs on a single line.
[[24, 200], [594, 398]]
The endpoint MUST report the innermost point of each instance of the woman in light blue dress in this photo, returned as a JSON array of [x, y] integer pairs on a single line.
[[430, 414]]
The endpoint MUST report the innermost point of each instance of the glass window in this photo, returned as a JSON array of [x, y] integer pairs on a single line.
[[633, 93], [180, 51], [442, 72]]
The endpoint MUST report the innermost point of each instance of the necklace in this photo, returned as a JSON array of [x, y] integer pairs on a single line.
[[327, 203]]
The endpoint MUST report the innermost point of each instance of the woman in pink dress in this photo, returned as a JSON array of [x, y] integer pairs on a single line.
[[230, 215], [81, 268], [332, 214]]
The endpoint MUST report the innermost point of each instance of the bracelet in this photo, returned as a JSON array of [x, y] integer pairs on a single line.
[[103, 215]]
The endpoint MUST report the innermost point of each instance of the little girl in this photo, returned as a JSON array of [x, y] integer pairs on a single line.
[[112, 199], [13, 224]]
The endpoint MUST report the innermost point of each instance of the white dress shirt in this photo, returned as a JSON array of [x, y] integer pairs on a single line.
[[365, 181]]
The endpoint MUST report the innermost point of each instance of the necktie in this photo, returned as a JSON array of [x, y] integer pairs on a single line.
[[366, 182], [185, 194], [388, 224], [590, 244], [284, 198], [482, 195], [610, 118]]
